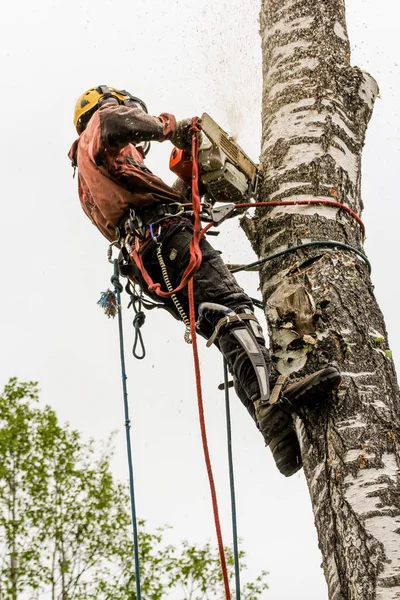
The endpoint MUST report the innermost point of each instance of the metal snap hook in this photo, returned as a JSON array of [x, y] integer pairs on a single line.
[[155, 237], [179, 209]]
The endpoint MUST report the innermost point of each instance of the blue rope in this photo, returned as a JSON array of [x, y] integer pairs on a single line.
[[327, 243], [232, 483], [118, 289]]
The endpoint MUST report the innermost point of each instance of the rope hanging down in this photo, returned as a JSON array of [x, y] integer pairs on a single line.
[[195, 247], [118, 289], [232, 482], [205, 441]]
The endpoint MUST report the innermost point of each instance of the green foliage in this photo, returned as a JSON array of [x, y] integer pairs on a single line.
[[196, 573], [65, 524]]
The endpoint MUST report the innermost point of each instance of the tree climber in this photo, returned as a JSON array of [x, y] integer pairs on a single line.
[[120, 195]]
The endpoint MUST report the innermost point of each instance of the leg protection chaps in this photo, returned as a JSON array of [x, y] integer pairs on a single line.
[[240, 339]]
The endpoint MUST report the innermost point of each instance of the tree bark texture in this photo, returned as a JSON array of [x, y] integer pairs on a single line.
[[319, 301]]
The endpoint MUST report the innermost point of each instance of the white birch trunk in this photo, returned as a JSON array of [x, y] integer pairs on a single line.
[[319, 302]]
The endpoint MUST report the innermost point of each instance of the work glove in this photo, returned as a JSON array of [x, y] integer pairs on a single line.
[[182, 138], [183, 187]]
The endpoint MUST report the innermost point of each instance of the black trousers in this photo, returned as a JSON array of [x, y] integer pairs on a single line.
[[212, 283]]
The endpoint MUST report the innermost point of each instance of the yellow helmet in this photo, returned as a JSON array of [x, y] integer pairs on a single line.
[[90, 100]]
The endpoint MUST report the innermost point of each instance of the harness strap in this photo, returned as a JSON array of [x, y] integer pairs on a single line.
[[276, 392], [228, 320]]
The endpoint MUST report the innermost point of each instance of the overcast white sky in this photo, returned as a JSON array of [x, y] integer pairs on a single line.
[[184, 57]]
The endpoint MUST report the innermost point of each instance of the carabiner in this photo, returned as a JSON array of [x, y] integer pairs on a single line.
[[110, 250], [154, 237], [179, 209]]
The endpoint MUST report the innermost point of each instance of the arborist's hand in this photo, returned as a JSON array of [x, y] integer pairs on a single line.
[[183, 187], [182, 138]]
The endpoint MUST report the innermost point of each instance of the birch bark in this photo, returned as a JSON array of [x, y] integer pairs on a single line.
[[319, 302]]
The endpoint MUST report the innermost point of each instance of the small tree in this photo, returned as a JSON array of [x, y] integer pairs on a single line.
[[21, 485], [197, 573], [61, 514], [65, 524]]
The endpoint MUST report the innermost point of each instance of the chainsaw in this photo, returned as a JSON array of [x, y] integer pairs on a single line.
[[226, 173]]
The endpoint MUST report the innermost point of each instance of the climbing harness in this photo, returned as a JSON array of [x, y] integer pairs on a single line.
[[195, 253]]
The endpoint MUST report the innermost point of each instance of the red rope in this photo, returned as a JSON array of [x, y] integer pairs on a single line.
[[305, 202], [187, 279], [194, 247], [198, 232], [221, 550]]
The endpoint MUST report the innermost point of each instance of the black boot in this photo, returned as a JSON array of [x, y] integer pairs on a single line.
[[275, 419], [275, 424]]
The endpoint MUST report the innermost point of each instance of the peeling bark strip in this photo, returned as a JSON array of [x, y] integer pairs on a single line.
[[319, 303]]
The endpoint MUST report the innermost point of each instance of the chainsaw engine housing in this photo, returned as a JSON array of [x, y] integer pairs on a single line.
[[227, 173], [223, 181]]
